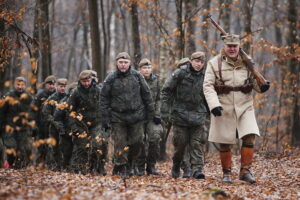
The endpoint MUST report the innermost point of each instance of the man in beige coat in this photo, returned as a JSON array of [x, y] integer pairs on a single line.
[[227, 88]]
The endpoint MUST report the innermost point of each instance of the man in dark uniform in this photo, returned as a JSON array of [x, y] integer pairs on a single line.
[[125, 103], [183, 92]]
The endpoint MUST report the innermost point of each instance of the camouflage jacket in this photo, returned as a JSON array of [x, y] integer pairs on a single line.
[[61, 116], [49, 106], [183, 94], [15, 109], [84, 106], [37, 105], [126, 97], [154, 85]]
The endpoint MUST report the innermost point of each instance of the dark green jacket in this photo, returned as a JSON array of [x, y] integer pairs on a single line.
[[61, 116], [84, 102], [126, 97], [154, 85], [15, 111], [183, 94], [50, 105]]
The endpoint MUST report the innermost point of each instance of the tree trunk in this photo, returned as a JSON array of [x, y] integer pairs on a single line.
[[135, 34], [95, 36], [225, 13], [191, 26], [205, 27], [294, 68], [43, 29], [179, 30]]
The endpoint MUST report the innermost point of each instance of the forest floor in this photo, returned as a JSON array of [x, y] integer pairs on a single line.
[[278, 177]]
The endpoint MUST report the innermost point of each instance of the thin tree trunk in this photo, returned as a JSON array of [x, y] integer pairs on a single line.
[[135, 34], [180, 30], [95, 36], [191, 26], [246, 7], [205, 27]]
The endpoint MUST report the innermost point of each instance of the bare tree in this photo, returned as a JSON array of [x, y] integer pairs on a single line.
[[190, 21], [179, 29], [135, 34]]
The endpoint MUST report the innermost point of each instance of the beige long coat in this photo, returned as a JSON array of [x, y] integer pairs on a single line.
[[238, 113]]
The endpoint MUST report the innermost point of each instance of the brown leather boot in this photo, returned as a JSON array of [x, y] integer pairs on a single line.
[[246, 161], [226, 166]]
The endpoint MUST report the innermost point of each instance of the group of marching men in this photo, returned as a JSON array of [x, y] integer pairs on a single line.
[[69, 126]]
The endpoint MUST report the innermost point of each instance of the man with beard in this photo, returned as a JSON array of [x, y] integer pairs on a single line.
[[54, 156], [89, 139], [41, 132], [16, 124], [125, 103]]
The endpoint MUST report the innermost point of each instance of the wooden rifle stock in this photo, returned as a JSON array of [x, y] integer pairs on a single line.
[[261, 81]]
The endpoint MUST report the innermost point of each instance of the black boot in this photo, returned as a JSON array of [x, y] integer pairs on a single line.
[[140, 172], [186, 173], [101, 170], [175, 171], [198, 175], [151, 169], [123, 171], [116, 170]]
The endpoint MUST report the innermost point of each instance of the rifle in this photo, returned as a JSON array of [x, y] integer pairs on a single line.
[[261, 81]]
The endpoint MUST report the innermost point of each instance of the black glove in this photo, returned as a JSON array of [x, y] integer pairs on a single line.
[[217, 111], [264, 87], [156, 120], [105, 127]]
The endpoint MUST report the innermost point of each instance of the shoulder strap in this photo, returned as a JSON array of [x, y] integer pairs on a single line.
[[220, 68]]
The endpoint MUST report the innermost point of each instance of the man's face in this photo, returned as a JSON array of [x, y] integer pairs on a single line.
[[198, 64], [232, 50], [123, 64], [86, 83], [61, 88], [20, 86], [146, 70], [50, 86]]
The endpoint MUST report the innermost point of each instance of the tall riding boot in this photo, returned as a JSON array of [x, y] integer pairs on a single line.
[[226, 166], [246, 161]]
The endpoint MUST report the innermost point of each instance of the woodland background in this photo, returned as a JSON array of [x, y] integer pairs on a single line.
[[63, 37]]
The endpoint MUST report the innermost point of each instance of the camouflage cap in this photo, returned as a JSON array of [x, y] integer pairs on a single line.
[[72, 86], [123, 55], [231, 39], [85, 74], [20, 79], [144, 61], [50, 79], [182, 61], [62, 81], [198, 55], [93, 73]]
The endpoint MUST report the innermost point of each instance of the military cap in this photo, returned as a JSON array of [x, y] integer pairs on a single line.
[[20, 79], [182, 61], [231, 39], [123, 55], [85, 74], [144, 61], [198, 55], [50, 79], [72, 86], [62, 81]]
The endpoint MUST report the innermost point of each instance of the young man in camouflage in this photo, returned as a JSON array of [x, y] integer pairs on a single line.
[[41, 131], [61, 117], [54, 156], [90, 141], [17, 124], [227, 87], [125, 103], [183, 92], [153, 128]]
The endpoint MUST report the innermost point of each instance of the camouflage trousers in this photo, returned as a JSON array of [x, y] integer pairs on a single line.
[[128, 142], [66, 148], [151, 149], [193, 137], [54, 156], [18, 146], [43, 133], [2, 153], [89, 150]]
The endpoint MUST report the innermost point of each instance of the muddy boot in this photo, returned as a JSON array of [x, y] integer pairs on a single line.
[[151, 169], [226, 166], [246, 161], [186, 173]]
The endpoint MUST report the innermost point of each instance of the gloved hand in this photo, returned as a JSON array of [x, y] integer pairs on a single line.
[[264, 87], [105, 126], [217, 111], [156, 120]]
